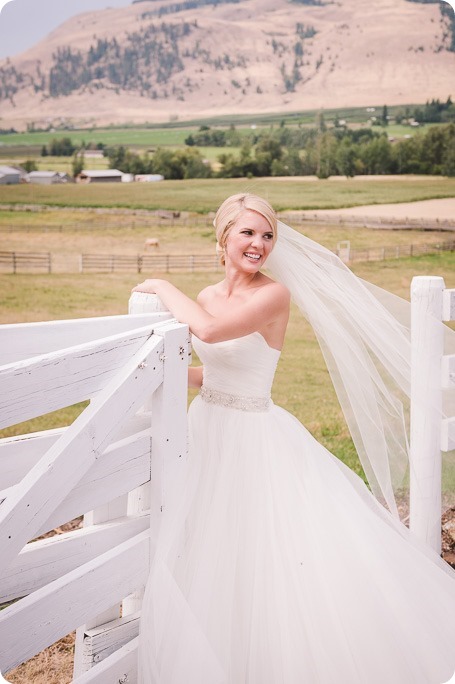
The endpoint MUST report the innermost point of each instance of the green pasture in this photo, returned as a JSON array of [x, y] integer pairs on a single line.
[[141, 137], [174, 132], [302, 383], [202, 196]]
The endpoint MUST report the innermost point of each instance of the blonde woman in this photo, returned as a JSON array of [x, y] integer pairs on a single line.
[[279, 566]]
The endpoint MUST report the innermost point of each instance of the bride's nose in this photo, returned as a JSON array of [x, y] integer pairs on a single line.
[[256, 241]]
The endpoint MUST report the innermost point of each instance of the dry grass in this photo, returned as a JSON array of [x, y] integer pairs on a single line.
[[52, 666]]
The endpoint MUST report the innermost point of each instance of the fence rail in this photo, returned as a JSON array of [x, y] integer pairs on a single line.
[[399, 251], [25, 261], [147, 262]]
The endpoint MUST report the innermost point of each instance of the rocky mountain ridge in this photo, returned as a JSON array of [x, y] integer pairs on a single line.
[[158, 60]]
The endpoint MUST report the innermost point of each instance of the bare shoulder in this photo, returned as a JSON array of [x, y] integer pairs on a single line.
[[207, 294], [271, 288]]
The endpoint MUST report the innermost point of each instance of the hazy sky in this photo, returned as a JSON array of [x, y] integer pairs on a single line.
[[24, 22]]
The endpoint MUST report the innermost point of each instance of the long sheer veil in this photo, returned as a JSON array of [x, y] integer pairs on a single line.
[[364, 334]]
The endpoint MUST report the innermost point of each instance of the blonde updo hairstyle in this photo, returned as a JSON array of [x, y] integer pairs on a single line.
[[230, 210]]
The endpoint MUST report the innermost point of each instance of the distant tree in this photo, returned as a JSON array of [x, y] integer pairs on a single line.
[[30, 165], [320, 122], [44, 151], [448, 162], [346, 158], [78, 163], [61, 147], [385, 116]]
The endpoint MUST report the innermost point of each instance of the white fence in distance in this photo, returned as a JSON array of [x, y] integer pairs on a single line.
[[133, 369]]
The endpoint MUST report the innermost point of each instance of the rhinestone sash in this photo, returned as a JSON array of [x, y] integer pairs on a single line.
[[257, 404]]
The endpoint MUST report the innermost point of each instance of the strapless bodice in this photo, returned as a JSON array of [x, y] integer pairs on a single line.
[[244, 366]]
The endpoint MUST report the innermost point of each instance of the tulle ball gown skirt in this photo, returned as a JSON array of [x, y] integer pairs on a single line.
[[279, 567]]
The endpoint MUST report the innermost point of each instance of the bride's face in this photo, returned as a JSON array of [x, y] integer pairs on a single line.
[[249, 242]]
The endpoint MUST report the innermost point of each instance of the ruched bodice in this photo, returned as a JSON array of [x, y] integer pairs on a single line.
[[242, 366]]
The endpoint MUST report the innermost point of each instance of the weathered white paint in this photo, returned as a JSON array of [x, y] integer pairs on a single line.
[[118, 668], [50, 481], [52, 381], [123, 466], [23, 340], [448, 305], [448, 370], [101, 641], [46, 560], [48, 614], [448, 434], [19, 454], [426, 407]]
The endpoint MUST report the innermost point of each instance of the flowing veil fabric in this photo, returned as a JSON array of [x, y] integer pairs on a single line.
[[364, 334]]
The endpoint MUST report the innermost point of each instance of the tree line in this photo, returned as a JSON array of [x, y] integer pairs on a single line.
[[287, 151], [293, 152]]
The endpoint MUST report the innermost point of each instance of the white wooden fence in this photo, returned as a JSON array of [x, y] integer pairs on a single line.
[[110, 465], [432, 373]]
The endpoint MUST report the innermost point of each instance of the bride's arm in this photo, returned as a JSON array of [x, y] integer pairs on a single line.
[[195, 377], [264, 306]]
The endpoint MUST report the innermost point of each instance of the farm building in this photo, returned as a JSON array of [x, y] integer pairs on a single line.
[[44, 177], [100, 176], [9, 175], [148, 177]]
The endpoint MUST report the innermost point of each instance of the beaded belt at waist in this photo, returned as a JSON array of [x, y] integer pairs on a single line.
[[212, 396]]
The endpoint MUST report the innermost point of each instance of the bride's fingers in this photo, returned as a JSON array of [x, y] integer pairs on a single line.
[[144, 287]]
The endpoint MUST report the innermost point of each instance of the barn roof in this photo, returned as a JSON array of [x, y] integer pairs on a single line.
[[97, 173], [42, 174], [7, 170]]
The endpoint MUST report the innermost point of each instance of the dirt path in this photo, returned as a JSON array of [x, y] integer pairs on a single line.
[[435, 209]]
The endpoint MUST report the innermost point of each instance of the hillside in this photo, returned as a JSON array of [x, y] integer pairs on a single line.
[[158, 60]]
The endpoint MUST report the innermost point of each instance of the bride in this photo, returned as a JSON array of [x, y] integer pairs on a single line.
[[279, 566]]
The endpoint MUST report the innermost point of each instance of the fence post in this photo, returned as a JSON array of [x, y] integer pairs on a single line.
[[426, 406], [166, 408], [14, 262]]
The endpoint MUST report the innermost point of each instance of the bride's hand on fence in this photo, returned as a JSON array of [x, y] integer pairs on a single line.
[[150, 286]]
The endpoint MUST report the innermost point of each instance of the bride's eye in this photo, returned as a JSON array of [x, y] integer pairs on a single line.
[[268, 236]]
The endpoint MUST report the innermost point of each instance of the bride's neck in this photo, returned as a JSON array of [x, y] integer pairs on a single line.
[[236, 280]]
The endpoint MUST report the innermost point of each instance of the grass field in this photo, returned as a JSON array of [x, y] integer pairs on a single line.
[[206, 195]]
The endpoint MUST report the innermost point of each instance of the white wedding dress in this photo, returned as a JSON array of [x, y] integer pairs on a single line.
[[278, 565]]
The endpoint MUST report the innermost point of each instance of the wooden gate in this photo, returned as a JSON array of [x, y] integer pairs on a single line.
[[110, 465]]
